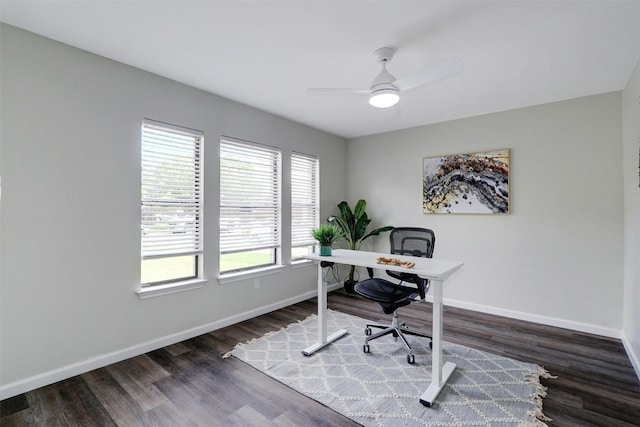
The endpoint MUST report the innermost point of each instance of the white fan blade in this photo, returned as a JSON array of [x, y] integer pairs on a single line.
[[430, 73], [336, 91]]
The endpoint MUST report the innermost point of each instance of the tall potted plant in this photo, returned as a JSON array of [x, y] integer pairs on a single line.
[[353, 224]]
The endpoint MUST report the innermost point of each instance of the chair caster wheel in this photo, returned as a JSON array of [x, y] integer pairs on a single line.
[[367, 331], [411, 359], [366, 348]]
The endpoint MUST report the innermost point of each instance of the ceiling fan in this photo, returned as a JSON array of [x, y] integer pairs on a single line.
[[385, 89]]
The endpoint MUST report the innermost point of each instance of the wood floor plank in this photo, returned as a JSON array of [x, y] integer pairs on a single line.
[[247, 416], [169, 416], [190, 384], [139, 387], [113, 397]]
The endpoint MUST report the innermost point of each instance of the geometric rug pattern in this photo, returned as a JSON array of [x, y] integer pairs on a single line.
[[381, 389]]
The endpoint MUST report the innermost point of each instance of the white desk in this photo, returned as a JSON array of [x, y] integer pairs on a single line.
[[436, 270]]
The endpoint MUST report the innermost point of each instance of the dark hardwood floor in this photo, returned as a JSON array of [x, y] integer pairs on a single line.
[[190, 384]]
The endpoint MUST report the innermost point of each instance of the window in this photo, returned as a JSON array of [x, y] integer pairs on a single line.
[[304, 204], [249, 205], [171, 203]]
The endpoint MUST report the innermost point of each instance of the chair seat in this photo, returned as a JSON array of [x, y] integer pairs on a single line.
[[389, 295]]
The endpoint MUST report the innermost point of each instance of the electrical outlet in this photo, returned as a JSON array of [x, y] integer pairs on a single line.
[[256, 283]]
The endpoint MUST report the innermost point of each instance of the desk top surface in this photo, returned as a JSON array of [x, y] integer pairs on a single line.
[[430, 268]]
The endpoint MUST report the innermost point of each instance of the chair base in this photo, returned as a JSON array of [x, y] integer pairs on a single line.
[[398, 330]]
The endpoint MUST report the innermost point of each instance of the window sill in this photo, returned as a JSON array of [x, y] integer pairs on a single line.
[[244, 275], [170, 288]]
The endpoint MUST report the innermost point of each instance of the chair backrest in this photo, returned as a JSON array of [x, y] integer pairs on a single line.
[[412, 241]]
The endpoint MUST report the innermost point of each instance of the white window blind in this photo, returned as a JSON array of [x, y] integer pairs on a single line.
[[304, 199], [249, 196], [171, 191]]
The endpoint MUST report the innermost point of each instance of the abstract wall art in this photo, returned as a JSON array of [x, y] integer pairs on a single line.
[[476, 183]]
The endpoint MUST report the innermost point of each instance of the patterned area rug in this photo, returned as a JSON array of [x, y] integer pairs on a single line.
[[381, 389]]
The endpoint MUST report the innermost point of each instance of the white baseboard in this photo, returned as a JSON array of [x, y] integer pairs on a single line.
[[46, 378], [633, 357], [544, 320], [551, 321]]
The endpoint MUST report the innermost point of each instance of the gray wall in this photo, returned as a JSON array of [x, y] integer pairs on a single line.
[[631, 123], [70, 213], [557, 258]]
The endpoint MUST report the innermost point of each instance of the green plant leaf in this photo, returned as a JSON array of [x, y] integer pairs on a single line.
[[344, 228], [361, 227], [359, 210], [345, 212], [377, 231]]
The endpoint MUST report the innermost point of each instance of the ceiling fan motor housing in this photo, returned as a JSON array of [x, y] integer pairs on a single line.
[[384, 80]]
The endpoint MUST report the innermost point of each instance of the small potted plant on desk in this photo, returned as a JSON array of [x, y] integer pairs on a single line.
[[326, 234], [353, 225]]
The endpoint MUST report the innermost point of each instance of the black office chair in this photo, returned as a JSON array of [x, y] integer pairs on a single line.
[[391, 296]]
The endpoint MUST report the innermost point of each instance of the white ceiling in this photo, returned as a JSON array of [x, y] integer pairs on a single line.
[[267, 53]]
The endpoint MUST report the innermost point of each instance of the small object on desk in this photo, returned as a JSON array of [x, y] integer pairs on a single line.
[[395, 261]]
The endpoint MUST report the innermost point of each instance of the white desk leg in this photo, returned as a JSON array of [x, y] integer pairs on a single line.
[[439, 373], [323, 339]]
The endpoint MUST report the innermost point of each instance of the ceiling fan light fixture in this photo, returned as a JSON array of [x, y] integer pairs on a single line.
[[384, 98], [385, 89]]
